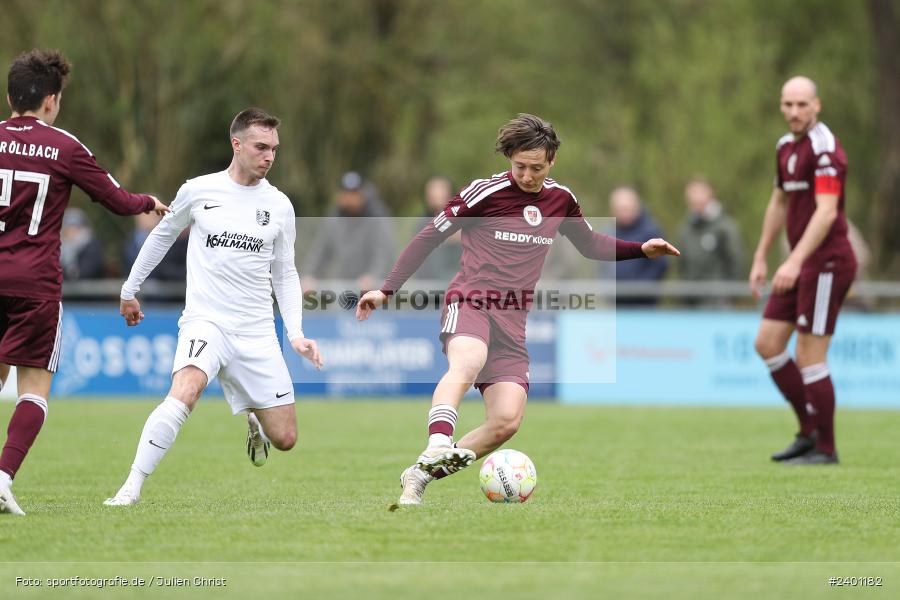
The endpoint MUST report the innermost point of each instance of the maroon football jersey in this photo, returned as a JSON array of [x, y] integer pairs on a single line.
[[506, 235], [38, 165], [815, 163]]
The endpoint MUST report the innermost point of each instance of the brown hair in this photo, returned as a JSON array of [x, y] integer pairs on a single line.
[[527, 132], [33, 76], [253, 116]]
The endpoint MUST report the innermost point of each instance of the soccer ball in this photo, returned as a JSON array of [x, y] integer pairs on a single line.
[[508, 476]]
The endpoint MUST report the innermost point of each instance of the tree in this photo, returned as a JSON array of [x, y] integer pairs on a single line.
[[885, 20]]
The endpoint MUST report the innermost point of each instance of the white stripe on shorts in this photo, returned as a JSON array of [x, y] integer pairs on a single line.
[[452, 316], [54, 356], [823, 298]]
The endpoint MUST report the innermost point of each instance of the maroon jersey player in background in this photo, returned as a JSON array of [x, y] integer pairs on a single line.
[[810, 286], [508, 223], [38, 165]]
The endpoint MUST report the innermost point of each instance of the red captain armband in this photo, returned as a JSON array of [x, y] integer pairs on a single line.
[[828, 184]]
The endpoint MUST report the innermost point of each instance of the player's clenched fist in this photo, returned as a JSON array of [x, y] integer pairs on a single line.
[[368, 302], [658, 247], [131, 310]]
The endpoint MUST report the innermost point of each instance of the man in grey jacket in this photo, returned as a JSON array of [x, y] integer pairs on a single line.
[[710, 240], [355, 241]]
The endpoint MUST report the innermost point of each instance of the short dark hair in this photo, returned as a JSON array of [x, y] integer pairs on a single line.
[[33, 76], [527, 132], [253, 116]]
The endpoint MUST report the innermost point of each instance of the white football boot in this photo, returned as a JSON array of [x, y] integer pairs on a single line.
[[8, 504], [449, 457], [124, 497], [413, 481], [257, 444]]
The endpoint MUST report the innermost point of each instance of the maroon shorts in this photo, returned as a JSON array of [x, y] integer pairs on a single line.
[[504, 333], [30, 332], [815, 301]]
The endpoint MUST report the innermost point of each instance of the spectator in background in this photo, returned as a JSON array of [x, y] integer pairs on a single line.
[[173, 266], [443, 263], [356, 242], [860, 249], [80, 253], [710, 241], [859, 298], [634, 224]]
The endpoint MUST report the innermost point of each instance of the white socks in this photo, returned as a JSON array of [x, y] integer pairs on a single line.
[[5, 479], [159, 434], [252, 417], [439, 439]]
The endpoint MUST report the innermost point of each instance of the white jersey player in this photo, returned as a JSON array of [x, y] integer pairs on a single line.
[[241, 248]]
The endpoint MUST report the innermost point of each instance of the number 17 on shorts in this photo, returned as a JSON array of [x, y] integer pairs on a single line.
[[200, 344]]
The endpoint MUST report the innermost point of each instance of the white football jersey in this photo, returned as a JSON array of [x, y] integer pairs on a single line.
[[237, 233]]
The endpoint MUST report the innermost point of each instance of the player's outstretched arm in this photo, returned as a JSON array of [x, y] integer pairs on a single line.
[[131, 310], [309, 350], [368, 302], [158, 207], [659, 247]]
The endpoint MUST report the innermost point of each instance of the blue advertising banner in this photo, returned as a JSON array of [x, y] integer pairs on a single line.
[[388, 355], [399, 355], [101, 356], [707, 358]]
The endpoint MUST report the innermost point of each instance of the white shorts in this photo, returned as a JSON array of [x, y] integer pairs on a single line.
[[250, 368]]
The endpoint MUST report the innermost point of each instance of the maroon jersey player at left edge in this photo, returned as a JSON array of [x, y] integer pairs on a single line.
[[38, 166], [508, 223]]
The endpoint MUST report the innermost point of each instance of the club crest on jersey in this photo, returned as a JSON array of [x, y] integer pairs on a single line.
[[262, 216], [792, 163], [532, 215]]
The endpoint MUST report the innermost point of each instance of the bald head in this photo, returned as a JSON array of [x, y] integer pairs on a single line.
[[800, 86], [800, 104], [625, 205]]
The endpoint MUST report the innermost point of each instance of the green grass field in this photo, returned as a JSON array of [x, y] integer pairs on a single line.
[[630, 503]]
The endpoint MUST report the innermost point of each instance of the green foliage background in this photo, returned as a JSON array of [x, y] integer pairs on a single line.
[[644, 92]]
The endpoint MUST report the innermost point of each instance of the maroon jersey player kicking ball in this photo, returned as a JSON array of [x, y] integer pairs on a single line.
[[38, 166], [508, 223], [810, 286]]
